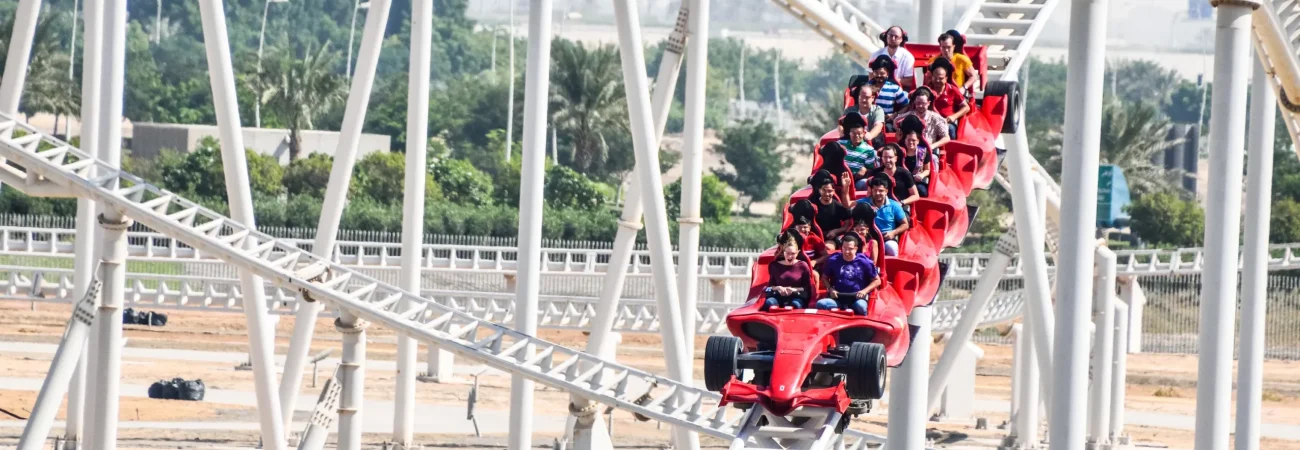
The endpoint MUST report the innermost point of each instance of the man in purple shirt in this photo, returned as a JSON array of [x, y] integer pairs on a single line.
[[849, 277]]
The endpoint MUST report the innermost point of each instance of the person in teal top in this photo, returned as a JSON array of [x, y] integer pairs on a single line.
[[891, 219], [860, 156]]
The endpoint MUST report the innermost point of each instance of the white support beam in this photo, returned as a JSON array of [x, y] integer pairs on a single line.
[[345, 157], [261, 331], [697, 64], [1254, 274], [417, 146], [1223, 222], [1068, 411], [536, 92]]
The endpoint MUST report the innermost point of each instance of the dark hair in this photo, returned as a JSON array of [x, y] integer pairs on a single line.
[[959, 41], [850, 236], [892, 147], [929, 94], [878, 181]]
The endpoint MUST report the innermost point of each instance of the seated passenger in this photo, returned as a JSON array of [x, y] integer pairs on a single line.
[[891, 220], [849, 277], [803, 213], [894, 37], [922, 106], [859, 155], [901, 181], [832, 209], [916, 157], [789, 278], [864, 221], [867, 107], [948, 99], [889, 95], [952, 46]]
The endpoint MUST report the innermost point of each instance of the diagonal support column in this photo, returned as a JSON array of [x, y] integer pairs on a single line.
[[56, 379], [970, 318], [647, 165], [585, 435], [261, 331], [345, 158]]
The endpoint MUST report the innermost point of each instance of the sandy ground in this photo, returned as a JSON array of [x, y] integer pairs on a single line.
[[1172, 375]]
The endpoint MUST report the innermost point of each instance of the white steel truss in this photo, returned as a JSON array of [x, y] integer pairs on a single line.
[[1276, 40], [194, 293], [37, 158], [851, 30]]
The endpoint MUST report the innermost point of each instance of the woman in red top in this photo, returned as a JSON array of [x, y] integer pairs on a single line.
[[789, 278]]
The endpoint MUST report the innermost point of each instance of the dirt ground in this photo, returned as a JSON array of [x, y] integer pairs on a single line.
[[1157, 383]]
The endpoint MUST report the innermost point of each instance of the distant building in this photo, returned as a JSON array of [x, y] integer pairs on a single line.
[[148, 140]]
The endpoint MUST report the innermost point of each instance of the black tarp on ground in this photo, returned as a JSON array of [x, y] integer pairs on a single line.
[[150, 318], [178, 389]]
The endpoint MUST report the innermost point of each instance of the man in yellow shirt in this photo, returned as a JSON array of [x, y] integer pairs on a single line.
[[963, 73]]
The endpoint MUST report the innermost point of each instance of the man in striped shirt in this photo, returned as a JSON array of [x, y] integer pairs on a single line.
[[892, 98]]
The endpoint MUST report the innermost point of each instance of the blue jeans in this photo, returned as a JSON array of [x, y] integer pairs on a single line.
[[952, 131], [772, 302], [858, 305]]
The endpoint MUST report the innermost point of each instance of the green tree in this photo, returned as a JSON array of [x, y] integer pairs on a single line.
[[1133, 136], [202, 174], [462, 183], [381, 176], [1164, 219], [300, 90], [566, 188], [752, 149], [587, 101], [715, 201], [1140, 81], [308, 176], [1284, 223], [817, 117]]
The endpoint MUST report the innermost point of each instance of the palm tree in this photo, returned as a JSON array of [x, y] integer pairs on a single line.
[[47, 87], [1134, 136], [298, 91], [587, 100]]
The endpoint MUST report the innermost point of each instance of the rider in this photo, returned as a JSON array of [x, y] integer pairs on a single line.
[[891, 219], [789, 278], [849, 277], [859, 155]]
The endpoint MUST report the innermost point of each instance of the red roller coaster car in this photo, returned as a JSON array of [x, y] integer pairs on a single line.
[[783, 359]]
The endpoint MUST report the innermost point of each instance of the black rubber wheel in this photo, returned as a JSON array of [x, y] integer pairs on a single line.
[[720, 361], [1011, 90], [865, 378]]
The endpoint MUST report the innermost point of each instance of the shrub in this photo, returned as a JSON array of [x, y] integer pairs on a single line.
[[462, 183], [308, 176], [566, 188], [1164, 219], [715, 201]]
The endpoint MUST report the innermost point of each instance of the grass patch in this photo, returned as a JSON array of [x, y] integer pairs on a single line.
[[1272, 396], [65, 262], [1167, 392]]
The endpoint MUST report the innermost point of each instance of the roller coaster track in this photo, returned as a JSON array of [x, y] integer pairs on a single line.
[[1277, 45], [192, 293], [35, 162]]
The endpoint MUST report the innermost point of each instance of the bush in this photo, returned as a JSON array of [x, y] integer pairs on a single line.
[[1164, 219], [381, 176], [566, 188], [308, 176], [715, 201], [203, 174], [462, 183], [1284, 223]]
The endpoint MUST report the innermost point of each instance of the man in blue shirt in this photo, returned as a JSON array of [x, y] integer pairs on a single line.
[[849, 277], [891, 219]]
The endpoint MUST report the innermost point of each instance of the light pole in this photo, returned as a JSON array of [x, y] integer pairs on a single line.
[[157, 24], [353, 32], [261, 40]]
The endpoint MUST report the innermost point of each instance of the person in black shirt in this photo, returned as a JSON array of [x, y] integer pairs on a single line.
[[904, 187], [916, 154], [831, 210]]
